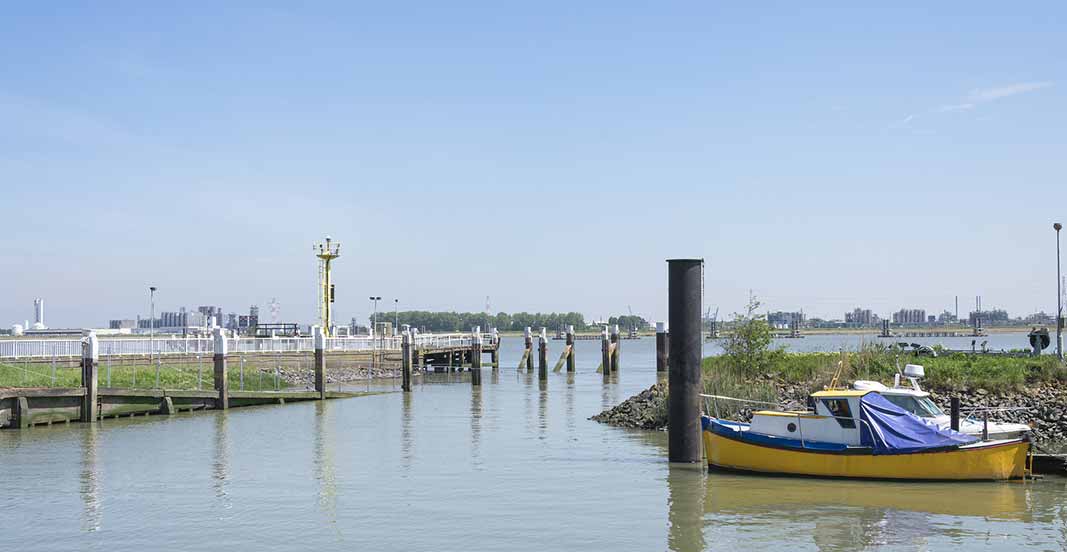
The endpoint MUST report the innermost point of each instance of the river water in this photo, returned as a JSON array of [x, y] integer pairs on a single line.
[[513, 466]]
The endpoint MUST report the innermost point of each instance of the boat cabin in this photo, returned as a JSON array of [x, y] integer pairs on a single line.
[[834, 420]]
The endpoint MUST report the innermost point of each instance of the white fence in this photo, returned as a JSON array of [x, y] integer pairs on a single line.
[[57, 348]]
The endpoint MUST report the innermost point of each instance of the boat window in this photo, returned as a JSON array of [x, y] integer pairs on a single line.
[[841, 412], [930, 407], [920, 406]]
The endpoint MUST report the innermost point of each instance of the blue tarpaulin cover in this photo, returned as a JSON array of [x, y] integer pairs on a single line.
[[890, 429]]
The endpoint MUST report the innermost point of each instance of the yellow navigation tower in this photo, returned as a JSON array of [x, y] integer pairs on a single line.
[[326, 252]]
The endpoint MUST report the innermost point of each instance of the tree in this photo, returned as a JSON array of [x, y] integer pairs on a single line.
[[748, 345]]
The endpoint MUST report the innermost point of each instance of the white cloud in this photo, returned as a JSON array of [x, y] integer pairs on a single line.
[[990, 94], [980, 96]]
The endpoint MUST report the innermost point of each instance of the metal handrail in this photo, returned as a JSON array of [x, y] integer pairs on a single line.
[[54, 348]]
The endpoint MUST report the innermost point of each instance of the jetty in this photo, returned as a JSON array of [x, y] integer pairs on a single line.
[[214, 373]]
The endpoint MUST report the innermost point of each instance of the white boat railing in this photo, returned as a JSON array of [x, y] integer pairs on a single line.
[[56, 348]]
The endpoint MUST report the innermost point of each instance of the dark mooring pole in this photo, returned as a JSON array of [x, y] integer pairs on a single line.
[[542, 355], [529, 349], [570, 345], [90, 380], [476, 357], [954, 417], [605, 353], [319, 338], [406, 360], [685, 382], [222, 382], [616, 345], [661, 347]]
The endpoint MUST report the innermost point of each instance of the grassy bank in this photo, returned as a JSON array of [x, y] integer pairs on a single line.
[[142, 376], [813, 371]]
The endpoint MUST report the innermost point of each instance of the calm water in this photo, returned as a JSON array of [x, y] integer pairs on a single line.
[[515, 466]]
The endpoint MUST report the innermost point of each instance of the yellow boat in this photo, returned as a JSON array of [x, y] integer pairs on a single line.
[[858, 434]]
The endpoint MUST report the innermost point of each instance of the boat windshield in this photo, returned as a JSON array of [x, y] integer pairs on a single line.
[[922, 407]]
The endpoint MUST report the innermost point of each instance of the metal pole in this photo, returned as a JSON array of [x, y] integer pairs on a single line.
[[1059, 297], [954, 417], [396, 316], [685, 381], [151, 320]]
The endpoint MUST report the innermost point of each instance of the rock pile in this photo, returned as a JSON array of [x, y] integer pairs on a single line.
[[1044, 406], [645, 410]]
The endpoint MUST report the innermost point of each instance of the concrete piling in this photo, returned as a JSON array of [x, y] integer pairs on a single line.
[[570, 348], [476, 357], [319, 338], [616, 345], [222, 383], [90, 380], [542, 355], [661, 347], [685, 380], [405, 362]]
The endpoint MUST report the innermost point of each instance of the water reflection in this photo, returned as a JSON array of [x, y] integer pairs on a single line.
[[220, 466], [476, 424], [407, 439], [323, 462], [609, 395], [568, 404], [847, 515], [685, 508], [89, 487], [542, 408]]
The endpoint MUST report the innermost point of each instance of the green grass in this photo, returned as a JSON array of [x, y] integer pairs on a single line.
[[257, 376], [957, 371]]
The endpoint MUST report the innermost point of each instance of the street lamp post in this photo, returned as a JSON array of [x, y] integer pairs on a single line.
[[1059, 296], [151, 318], [396, 316]]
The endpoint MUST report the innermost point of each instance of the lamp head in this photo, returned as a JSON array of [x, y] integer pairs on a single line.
[[1057, 226]]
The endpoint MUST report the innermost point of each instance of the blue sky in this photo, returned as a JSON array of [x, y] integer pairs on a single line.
[[550, 156]]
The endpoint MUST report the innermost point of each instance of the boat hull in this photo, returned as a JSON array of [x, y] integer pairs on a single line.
[[993, 461]]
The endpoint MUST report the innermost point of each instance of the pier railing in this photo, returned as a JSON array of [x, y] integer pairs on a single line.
[[172, 346]]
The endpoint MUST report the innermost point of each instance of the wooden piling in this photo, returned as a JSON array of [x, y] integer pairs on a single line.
[[319, 338], [605, 353], [405, 362], [542, 356], [661, 347], [494, 355], [21, 413], [90, 407], [476, 357], [222, 383], [529, 349], [570, 348], [685, 379], [616, 344]]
